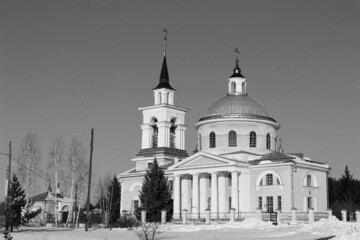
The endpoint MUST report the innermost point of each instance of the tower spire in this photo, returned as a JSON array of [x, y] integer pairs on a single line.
[[164, 74]]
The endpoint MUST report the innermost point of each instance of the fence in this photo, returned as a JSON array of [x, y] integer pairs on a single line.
[[292, 217]]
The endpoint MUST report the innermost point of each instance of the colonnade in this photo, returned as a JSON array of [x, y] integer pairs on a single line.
[[195, 198]]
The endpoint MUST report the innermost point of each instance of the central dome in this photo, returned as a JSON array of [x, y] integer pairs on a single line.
[[238, 106]]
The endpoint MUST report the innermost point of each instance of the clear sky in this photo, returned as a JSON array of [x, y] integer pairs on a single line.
[[69, 66]]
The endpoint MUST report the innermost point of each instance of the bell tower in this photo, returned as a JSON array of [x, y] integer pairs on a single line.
[[163, 127]]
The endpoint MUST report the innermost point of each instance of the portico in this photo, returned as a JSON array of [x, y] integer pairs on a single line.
[[198, 188]]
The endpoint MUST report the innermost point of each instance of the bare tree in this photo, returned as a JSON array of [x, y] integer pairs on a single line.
[[55, 167], [76, 171], [108, 198], [149, 231], [29, 157]]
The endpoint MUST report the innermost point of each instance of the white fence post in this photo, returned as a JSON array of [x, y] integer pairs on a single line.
[[293, 216], [232, 215], [343, 215], [163, 216], [259, 214], [357, 216], [278, 216], [311, 216], [207, 216], [143, 216], [329, 211], [184, 216]]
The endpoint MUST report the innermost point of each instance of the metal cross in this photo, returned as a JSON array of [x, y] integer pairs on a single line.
[[237, 52], [165, 40]]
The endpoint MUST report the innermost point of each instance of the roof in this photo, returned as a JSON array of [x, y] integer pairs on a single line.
[[237, 70], [42, 196], [164, 77], [272, 157], [239, 106]]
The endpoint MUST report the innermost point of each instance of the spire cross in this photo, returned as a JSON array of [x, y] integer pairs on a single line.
[[236, 50], [165, 40]]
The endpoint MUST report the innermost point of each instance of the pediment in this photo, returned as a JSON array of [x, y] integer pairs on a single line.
[[203, 159]]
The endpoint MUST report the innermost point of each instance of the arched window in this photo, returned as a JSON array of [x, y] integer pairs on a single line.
[[308, 180], [252, 139], [232, 139], [233, 87], [212, 139], [172, 133], [268, 141], [269, 179], [243, 87], [154, 139]]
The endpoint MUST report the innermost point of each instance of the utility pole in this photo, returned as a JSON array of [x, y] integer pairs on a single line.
[[89, 183], [8, 200]]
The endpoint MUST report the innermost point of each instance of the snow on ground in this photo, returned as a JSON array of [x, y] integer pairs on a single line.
[[248, 229]]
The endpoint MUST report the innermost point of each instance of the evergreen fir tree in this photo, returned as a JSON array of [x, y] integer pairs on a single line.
[[17, 202], [155, 194], [115, 201], [348, 191]]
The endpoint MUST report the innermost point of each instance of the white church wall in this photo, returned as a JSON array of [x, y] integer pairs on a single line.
[[283, 189], [317, 193], [130, 191], [242, 129]]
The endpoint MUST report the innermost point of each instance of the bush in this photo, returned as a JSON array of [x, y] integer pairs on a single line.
[[126, 222], [149, 231]]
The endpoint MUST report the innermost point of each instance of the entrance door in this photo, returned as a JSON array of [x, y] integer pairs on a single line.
[[269, 204], [64, 217]]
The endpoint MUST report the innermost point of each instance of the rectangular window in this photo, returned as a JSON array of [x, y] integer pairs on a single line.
[[149, 165], [209, 203], [134, 206], [279, 203], [260, 203], [229, 203], [229, 180], [270, 204], [191, 183], [269, 179], [309, 202]]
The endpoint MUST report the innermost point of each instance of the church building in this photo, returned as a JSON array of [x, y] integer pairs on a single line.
[[237, 164]]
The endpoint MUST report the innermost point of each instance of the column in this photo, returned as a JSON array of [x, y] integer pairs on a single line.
[[214, 196], [177, 199], [195, 196], [203, 194], [223, 207], [180, 137], [164, 134], [185, 186], [171, 98], [146, 136], [234, 191]]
